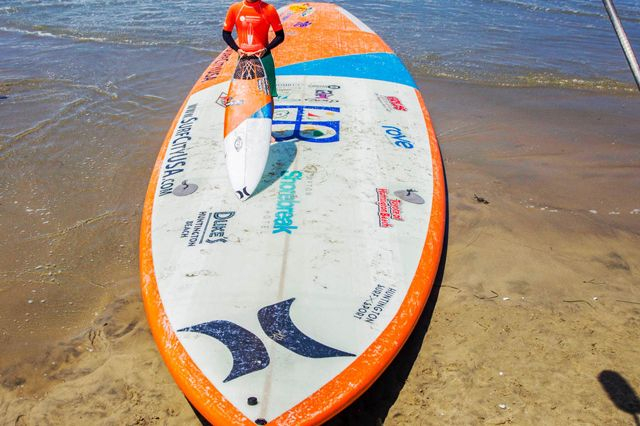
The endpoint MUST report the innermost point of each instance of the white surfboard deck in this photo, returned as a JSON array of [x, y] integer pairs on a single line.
[[247, 150], [334, 256], [285, 307]]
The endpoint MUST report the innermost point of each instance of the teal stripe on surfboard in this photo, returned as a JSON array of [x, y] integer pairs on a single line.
[[264, 112], [373, 66]]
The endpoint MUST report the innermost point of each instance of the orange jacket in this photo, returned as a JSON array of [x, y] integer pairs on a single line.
[[252, 22]]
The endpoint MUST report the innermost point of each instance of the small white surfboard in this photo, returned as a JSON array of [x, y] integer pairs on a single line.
[[247, 126]]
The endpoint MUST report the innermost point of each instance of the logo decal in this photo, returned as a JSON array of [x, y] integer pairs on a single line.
[[177, 153], [243, 193], [397, 137], [185, 189], [218, 63], [303, 8], [207, 227], [280, 114], [388, 209], [263, 85], [391, 103], [317, 124], [283, 221], [410, 196], [374, 305], [238, 144], [276, 322], [323, 94], [330, 86], [312, 93], [224, 100], [249, 352]]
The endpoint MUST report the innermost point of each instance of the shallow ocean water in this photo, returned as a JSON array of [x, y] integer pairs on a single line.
[[521, 42]]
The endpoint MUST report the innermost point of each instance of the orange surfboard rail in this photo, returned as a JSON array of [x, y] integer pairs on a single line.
[[327, 34]]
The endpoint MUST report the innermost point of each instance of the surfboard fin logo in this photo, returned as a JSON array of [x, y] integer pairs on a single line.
[[249, 352], [276, 322]]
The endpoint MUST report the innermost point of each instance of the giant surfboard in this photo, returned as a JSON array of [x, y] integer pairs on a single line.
[[284, 308]]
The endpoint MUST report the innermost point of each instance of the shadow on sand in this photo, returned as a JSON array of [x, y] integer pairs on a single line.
[[621, 393]]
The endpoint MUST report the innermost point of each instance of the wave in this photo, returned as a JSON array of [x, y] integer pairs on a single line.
[[537, 79], [37, 132], [41, 33], [598, 12], [39, 83], [526, 79], [60, 33], [8, 10]]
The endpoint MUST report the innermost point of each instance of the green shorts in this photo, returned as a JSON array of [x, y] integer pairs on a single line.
[[270, 69]]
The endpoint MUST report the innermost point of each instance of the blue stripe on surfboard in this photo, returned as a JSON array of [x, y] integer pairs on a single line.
[[373, 66], [264, 112]]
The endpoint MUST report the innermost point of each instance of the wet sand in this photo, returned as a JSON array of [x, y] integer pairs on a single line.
[[536, 310]]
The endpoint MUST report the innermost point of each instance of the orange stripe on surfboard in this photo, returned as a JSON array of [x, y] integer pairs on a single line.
[[251, 98]]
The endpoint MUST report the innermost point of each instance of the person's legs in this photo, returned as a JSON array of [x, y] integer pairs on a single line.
[[270, 69]]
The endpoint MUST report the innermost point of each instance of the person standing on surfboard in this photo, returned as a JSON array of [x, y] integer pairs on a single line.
[[252, 20]]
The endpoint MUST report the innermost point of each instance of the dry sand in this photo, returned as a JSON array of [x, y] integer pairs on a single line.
[[534, 318]]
